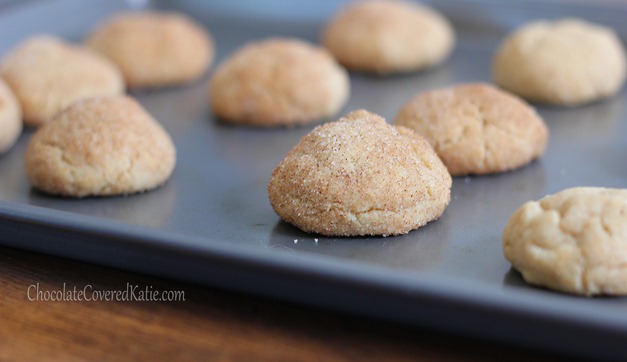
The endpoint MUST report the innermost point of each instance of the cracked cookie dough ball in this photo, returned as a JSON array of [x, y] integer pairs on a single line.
[[278, 81], [360, 176], [574, 241], [99, 147], [565, 62], [476, 128], [47, 74], [10, 118], [384, 37], [154, 49]]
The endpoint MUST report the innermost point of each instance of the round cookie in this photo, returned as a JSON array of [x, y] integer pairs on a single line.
[[10, 118], [46, 75], [565, 62], [278, 81], [99, 147], [360, 176], [154, 49], [476, 128], [574, 241], [383, 36]]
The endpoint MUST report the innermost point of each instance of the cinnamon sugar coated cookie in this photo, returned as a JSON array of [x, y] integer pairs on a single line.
[[392, 36], [47, 74], [99, 147], [360, 176], [476, 128], [10, 118], [278, 81], [564, 62], [574, 241], [154, 49]]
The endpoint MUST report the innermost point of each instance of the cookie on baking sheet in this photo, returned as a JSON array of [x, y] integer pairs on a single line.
[[574, 241], [360, 176], [154, 49], [10, 118], [278, 81], [564, 62], [476, 128], [46, 74], [392, 36], [99, 147]]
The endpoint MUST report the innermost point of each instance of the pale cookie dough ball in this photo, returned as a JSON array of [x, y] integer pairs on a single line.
[[476, 128], [99, 147], [47, 74], [565, 62], [360, 176], [10, 118], [574, 241], [389, 36], [154, 49], [278, 82]]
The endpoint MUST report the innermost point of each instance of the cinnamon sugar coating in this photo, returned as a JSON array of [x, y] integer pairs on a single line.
[[100, 147], [360, 176]]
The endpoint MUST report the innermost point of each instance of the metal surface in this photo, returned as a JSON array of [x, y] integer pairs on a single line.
[[212, 224]]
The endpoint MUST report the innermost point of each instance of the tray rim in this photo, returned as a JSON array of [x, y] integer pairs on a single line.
[[411, 297]]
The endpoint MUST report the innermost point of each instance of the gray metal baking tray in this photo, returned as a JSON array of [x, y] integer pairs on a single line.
[[211, 224]]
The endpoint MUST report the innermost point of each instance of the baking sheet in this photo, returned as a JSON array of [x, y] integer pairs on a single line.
[[212, 223]]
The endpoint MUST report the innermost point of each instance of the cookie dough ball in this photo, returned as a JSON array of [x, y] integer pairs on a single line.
[[47, 74], [278, 82], [389, 36], [574, 241], [565, 62], [360, 176], [99, 147], [10, 118], [476, 128], [154, 49]]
